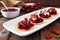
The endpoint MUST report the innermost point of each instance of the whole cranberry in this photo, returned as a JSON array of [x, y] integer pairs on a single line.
[[41, 15], [32, 7], [35, 5], [26, 19]]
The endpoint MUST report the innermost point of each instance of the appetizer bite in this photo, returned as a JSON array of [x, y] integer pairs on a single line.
[[44, 14], [34, 19], [52, 11], [25, 24]]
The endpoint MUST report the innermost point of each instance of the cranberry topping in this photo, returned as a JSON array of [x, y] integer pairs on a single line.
[[26, 19], [44, 16], [20, 26], [25, 24], [29, 25], [52, 11], [47, 16], [36, 21]]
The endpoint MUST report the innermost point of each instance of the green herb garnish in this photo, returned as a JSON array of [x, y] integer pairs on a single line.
[[57, 36], [0, 15]]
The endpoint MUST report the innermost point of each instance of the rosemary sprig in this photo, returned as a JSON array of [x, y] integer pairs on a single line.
[[57, 36], [1, 15]]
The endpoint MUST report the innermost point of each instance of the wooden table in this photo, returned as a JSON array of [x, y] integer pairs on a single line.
[[39, 35]]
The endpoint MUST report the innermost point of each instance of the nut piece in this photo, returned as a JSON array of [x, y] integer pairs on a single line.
[[23, 23], [55, 31], [48, 35], [34, 16]]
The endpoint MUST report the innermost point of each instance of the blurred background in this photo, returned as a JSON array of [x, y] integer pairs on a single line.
[[44, 2]]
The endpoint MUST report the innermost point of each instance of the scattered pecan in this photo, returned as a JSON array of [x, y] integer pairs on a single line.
[[55, 31], [48, 35]]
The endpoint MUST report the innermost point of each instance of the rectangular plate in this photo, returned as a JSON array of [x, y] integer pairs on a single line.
[[11, 25]]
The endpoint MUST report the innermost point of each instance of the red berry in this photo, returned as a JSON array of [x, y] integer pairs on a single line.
[[35, 5], [32, 7], [26, 19], [48, 35]]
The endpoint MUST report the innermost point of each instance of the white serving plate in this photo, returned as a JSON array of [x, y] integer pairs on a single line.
[[11, 25]]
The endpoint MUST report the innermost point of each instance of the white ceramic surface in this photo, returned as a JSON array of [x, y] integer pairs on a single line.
[[11, 14], [11, 25]]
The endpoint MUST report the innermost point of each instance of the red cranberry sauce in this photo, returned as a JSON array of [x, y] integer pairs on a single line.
[[44, 16], [10, 10], [27, 26], [36, 21], [52, 11]]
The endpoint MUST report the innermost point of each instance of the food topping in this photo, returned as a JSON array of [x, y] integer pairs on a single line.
[[34, 16], [24, 24], [35, 19], [52, 11], [44, 14]]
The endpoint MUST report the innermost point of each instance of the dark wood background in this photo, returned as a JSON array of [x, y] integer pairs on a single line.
[[55, 3], [46, 2]]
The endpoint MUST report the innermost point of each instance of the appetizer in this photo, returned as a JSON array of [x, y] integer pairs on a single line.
[[52, 11], [44, 14], [29, 23], [25, 25], [35, 19]]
